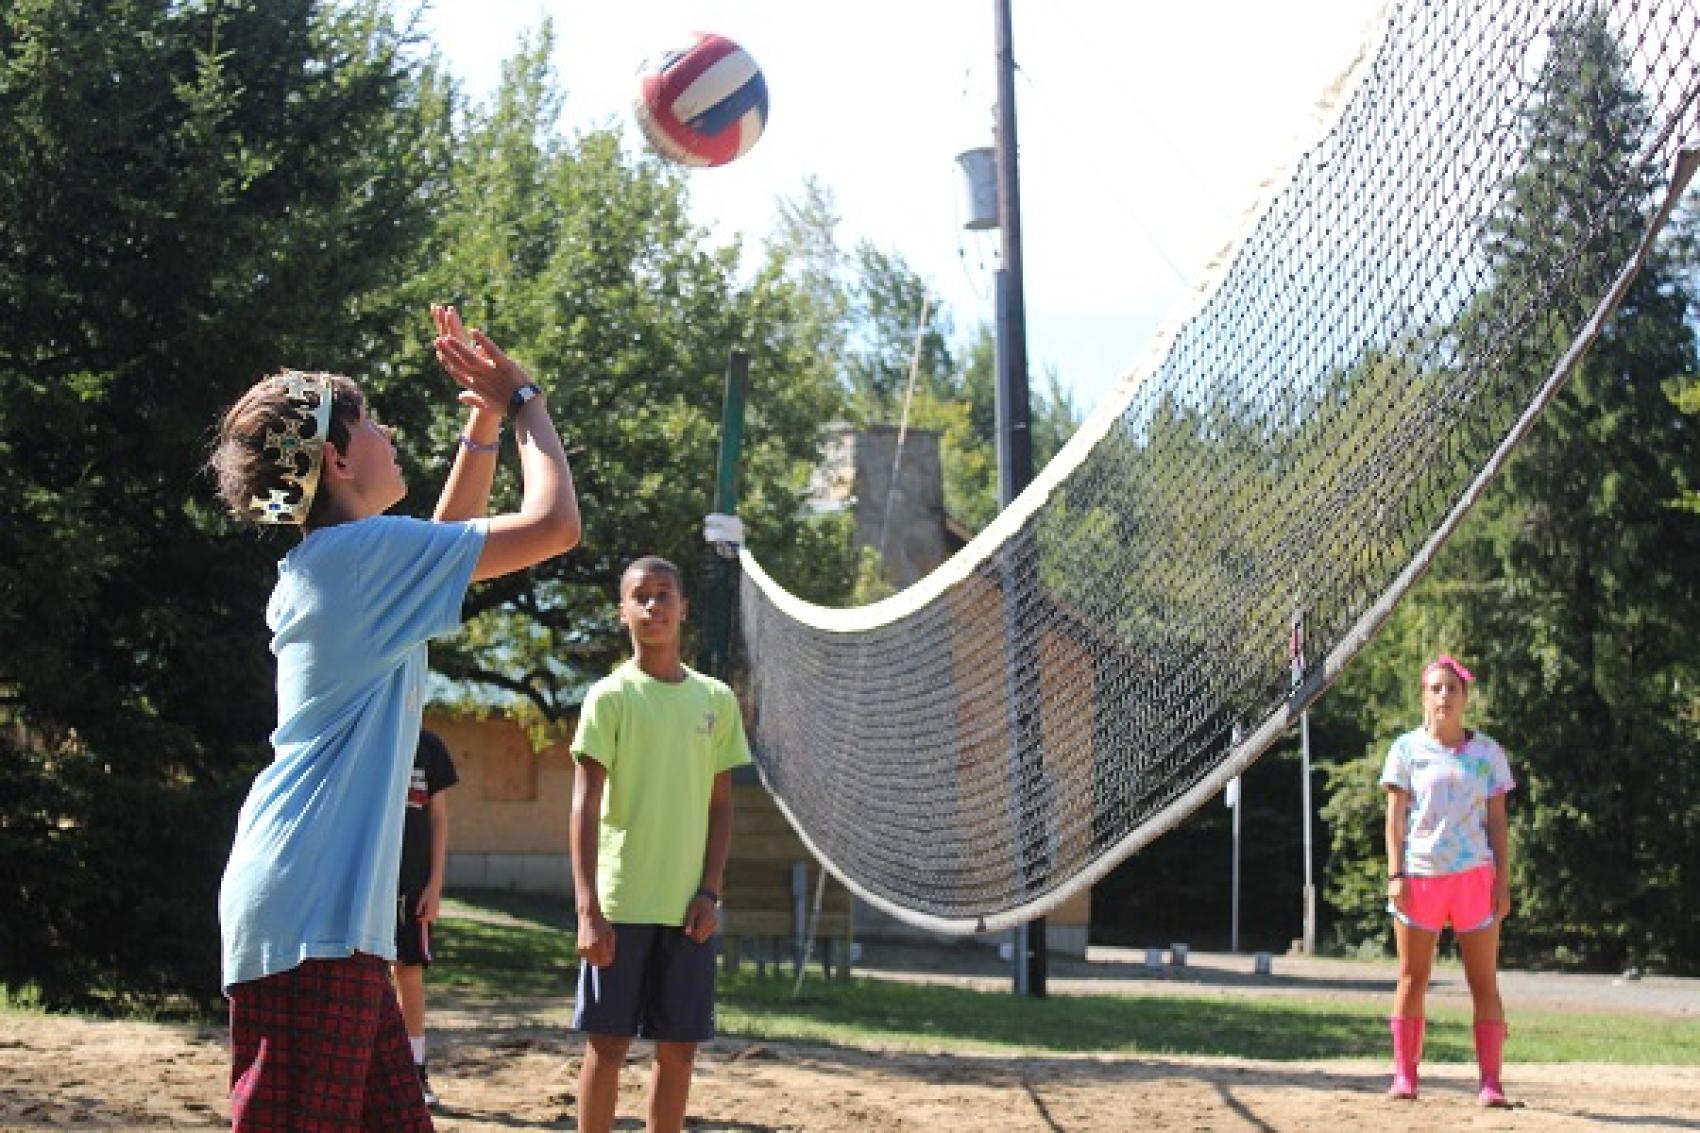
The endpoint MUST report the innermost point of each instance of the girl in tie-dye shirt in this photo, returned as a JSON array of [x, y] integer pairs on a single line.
[[1449, 787], [1448, 863]]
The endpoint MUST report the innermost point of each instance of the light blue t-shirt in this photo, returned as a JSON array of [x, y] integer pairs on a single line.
[[312, 873], [1446, 825]]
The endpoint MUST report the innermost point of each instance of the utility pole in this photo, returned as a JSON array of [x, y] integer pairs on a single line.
[[1015, 471]]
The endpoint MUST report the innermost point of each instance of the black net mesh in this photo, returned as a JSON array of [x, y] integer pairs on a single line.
[[969, 754]]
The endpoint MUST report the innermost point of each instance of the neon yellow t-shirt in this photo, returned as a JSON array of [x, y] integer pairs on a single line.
[[662, 745]]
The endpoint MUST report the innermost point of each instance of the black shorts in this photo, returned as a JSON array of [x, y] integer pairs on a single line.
[[412, 935], [659, 987]]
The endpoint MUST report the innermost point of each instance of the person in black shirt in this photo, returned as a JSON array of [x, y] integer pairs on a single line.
[[424, 850]]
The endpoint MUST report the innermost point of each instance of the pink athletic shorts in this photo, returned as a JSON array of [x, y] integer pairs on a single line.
[[1463, 900]]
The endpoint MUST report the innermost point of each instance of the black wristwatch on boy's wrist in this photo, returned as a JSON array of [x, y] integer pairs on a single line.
[[522, 395], [705, 891]]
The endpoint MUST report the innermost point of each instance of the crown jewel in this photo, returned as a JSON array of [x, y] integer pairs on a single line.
[[298, 447]]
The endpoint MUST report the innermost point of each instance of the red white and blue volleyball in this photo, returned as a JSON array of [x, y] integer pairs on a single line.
[[703, 104]]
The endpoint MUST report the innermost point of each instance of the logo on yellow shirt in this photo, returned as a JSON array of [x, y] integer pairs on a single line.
[[707, 728]]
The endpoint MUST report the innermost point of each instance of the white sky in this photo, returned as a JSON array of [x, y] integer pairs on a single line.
[[1145, 130]]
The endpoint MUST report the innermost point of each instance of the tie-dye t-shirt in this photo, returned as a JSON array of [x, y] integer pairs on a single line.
[[1446, 828]]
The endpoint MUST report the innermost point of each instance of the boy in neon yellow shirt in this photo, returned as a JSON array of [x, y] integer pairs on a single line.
[[651, 830]]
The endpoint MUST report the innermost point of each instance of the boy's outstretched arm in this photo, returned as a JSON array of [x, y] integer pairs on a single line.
[[703, 915], [547, 522], [466, 492], [595, 934], [437, 814]]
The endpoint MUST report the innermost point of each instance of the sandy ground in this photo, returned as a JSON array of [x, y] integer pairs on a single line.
[[514, 1069]]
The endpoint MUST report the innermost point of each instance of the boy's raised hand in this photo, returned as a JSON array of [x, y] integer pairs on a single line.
[[487, 376], [447, 318]]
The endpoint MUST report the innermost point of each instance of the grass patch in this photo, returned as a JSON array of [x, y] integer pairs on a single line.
[[492, 945], [868, 1012], [103, 1002], [22, 999]]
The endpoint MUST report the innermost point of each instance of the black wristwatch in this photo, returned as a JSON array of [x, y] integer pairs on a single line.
[[522, 395], [705, 891]]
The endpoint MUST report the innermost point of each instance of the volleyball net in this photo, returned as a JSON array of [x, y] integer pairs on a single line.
[[1232, 525]]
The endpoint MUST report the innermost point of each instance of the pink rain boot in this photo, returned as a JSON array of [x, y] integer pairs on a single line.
[[1407, 1052], [1490, 1052]]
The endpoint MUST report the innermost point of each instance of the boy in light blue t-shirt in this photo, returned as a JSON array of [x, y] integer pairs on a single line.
[[307, 905]]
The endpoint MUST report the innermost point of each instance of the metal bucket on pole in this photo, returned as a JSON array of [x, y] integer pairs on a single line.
[[980, 179]]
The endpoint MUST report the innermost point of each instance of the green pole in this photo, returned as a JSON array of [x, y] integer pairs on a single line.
[[720, 570]]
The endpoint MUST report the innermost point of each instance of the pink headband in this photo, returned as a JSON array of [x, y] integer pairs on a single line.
[[1446, 661]]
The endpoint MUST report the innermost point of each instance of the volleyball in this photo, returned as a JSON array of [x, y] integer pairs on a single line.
[[703, 104]]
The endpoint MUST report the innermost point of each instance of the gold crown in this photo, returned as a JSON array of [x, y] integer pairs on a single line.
[[299, 445]]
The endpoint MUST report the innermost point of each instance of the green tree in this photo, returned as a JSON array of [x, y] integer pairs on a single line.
[[582, 261], [889, 339], [966, 417], [880, 339], [1572, 586], [193, 193], [1685, 395], [1599, 568], [197, 194], [1684, 391]]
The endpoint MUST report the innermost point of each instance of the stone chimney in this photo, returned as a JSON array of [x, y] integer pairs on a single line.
[[907, 522]]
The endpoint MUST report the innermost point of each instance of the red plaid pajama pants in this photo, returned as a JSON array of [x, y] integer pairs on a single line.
[[322, 1048]]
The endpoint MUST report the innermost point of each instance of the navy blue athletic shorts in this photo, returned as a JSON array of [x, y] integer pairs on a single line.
[[659, 987]]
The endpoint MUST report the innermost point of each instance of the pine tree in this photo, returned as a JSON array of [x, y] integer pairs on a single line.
[[193, 194], [1571, 588]]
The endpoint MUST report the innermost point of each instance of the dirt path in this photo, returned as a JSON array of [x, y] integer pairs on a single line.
[[513, 1068]]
